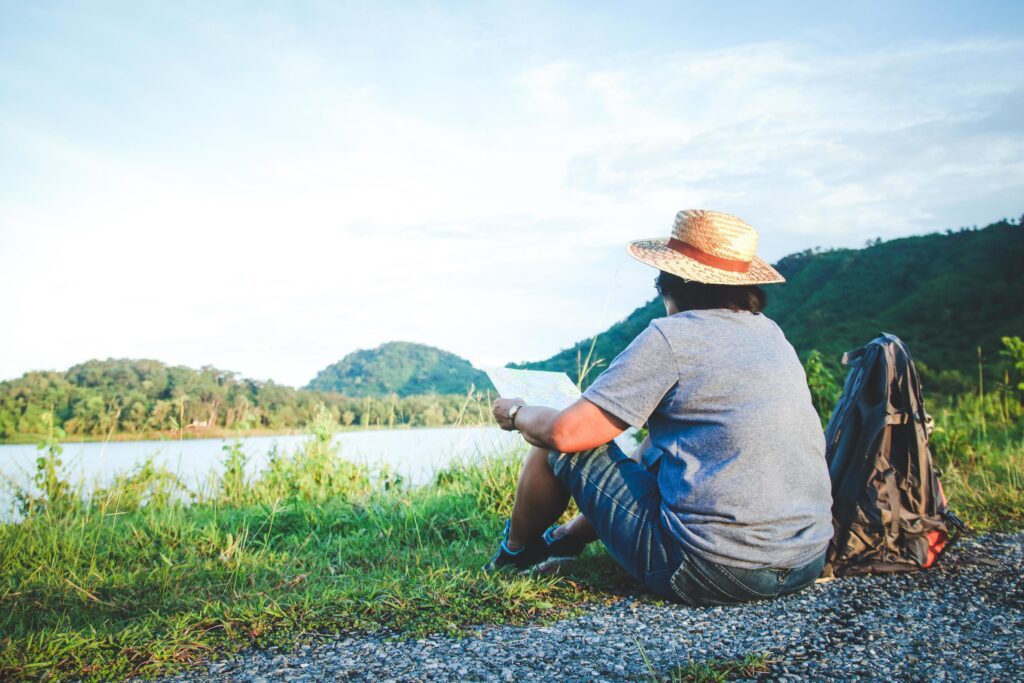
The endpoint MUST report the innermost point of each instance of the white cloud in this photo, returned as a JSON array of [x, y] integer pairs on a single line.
[[338, 218]]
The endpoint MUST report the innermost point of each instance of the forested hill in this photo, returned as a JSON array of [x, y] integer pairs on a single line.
[[129, 398], [401, 368], [944, 294]]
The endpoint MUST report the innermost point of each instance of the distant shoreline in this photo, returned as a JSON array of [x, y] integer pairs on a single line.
[[215, 433]]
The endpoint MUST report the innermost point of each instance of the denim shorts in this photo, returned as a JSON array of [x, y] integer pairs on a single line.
[[621, 498]]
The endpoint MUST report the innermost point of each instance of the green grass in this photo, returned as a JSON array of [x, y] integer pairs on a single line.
[[141, 577], [136, 581], [978, 445], [708, 671]]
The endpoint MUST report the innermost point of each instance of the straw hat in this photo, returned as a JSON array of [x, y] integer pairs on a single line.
[[708, 246]]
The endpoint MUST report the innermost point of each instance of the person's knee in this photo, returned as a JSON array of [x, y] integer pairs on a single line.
[[536, 457]]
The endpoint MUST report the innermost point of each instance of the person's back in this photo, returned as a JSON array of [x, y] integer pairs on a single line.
[[743, 475]]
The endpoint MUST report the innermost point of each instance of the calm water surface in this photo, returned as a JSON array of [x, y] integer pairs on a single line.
[[414, 453]]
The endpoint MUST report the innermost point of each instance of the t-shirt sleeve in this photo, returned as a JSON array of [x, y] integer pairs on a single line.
[[636, 381]]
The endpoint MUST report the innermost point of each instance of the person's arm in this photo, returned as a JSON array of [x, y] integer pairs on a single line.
[[579, 427], [624, 394]]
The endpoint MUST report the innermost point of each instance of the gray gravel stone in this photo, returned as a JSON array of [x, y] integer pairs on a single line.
[[961, 621]]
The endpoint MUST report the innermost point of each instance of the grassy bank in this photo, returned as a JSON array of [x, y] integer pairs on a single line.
[[222, 433], [140, 578], [155, 435], [135, 581], [978, 445]]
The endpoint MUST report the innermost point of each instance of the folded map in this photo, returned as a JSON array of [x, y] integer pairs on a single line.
[[537, 388], [551, 389]]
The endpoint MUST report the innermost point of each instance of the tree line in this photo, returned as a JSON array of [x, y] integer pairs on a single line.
[[138, 397]]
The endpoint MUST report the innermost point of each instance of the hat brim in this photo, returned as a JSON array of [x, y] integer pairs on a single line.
[[656, 253]]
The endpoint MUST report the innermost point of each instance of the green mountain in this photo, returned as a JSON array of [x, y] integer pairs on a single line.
[[401, 368], [944, 294]]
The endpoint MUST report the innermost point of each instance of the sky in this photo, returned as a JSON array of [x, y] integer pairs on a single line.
[[266, 187]]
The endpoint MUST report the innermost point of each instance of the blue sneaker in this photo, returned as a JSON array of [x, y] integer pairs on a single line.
[[565, 547], [523, 559]]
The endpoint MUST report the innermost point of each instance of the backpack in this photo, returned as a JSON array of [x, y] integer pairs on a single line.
[[888, 510]]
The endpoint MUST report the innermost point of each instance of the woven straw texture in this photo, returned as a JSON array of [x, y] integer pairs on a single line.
[[720, 235]]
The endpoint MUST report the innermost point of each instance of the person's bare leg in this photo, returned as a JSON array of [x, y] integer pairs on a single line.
[[578, 527], [540, 499]]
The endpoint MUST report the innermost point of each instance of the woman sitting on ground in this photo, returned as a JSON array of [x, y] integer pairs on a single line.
[[728, 498]]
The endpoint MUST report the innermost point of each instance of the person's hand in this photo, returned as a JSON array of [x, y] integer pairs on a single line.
[[501, 409]]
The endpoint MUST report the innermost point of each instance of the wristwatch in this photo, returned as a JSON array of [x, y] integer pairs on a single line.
[[512, 414]]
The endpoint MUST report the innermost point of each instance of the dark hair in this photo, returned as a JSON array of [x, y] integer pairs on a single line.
[[689, 295]]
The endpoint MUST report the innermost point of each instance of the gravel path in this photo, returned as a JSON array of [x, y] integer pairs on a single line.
[[962, 621]]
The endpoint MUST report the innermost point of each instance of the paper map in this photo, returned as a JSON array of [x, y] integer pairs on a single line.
[[551, 389]]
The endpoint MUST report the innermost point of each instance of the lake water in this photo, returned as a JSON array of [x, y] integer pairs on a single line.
[[413, 453]]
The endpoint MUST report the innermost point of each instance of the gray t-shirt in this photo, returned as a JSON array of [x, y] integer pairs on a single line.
[[743, 477]]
